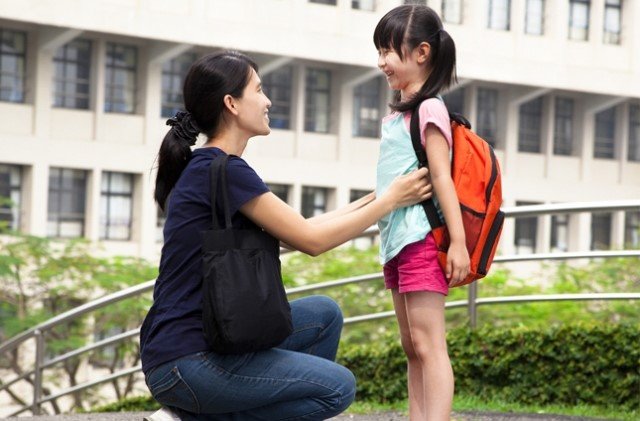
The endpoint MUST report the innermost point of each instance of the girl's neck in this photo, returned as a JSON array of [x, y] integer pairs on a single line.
[[414, 86]]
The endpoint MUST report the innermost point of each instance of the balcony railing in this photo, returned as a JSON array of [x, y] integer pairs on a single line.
[[37, 333]]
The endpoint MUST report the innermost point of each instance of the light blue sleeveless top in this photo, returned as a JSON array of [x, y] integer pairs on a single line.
[[397, 157]]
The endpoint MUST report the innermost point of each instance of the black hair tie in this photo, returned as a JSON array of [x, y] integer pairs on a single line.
[[185, 127]]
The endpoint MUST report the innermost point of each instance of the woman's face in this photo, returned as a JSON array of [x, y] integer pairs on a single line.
[[253, 108]]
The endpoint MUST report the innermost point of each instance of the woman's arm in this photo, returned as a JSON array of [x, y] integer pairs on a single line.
[[287, 225], [438, 155], [356, 204]]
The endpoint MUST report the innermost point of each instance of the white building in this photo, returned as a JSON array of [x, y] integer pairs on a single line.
[[86, 85]]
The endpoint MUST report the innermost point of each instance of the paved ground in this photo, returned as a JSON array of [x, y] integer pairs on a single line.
[[386, 416]]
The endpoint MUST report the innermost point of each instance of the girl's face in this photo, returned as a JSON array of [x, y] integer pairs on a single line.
[[408, 75], [253, 108]]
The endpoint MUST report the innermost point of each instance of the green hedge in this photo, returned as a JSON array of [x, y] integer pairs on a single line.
[[575, 364]]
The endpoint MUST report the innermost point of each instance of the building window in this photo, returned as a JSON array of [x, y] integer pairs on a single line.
[[487, 114], [560, 232], [120, 78], [604, 146], [534, 20], [633, 153], [526, 232], [529, 126], [173, 74], [10, 197], [600, 231], [280, 190], [452, 11], [454, 101], [317, 101], [72, 75], [116, 206], [67, 198], [332, 2], [366, 108], [612, 19], [161, 218], [314, 201], [277, 86], [357, 194], [369, 5], [579, 19], [13, 50], [563, 127], [632, 229], [499, 12]]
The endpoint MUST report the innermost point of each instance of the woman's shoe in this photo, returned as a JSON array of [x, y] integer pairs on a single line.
[[163, 414]]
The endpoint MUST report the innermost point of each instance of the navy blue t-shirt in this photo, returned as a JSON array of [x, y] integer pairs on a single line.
[[173, 326]]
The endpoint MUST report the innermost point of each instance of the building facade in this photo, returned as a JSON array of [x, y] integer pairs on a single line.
[[86, 86]]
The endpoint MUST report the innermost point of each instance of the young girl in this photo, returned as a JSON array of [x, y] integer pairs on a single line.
[[298, 379], [418, 58]]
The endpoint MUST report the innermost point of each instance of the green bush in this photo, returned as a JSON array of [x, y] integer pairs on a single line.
[[571, 365]]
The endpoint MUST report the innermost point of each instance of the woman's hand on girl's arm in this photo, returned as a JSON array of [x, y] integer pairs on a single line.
[[287, 225]]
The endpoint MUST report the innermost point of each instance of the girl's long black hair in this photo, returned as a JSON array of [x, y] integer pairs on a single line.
[[207, 82], [402, 30]]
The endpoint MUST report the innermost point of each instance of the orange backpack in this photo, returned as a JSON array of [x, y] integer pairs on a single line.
[[476, 177]]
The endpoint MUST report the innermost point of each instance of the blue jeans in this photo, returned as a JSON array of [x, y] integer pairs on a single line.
[[298, 380]]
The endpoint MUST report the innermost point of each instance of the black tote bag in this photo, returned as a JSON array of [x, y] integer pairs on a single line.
[[245, 307]]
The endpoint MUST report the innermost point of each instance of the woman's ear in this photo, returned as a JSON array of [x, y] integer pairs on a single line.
[[230, 104], [423, 51]]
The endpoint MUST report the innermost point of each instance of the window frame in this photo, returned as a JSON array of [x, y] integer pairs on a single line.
[[364, 99], [280, 94], [563, 120], [575, 31], [111, 102], [12, 212], [528, 19], [174, 70], [108, 195], [604, 144], [493, 21], [18, 79], [58, 217], [311, 110], [61, 57], [530, 126]]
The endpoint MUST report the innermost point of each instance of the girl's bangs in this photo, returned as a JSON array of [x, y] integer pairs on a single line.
[[389, 33]]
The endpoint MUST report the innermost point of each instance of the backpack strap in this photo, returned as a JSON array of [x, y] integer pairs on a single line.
[[421, 153]]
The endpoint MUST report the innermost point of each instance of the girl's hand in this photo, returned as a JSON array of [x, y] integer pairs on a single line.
[[457, 263], [410, 189]]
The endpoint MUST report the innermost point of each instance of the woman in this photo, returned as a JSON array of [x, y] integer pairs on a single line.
[[298, 379]]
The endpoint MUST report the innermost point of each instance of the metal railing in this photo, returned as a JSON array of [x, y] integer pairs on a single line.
[[472, 303]]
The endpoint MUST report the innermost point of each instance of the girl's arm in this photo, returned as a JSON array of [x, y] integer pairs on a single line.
[[440, 169], [287, 225]]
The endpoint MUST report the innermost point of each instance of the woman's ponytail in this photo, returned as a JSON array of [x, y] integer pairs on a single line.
[[207, 82], [174, 154]]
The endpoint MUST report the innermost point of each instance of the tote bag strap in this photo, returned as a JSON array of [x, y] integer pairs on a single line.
[[218, 172]]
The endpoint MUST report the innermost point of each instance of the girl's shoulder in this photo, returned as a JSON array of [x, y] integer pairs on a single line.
[[435, 107]]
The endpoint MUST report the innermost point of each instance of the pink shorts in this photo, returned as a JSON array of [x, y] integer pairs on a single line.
[[416, 268]]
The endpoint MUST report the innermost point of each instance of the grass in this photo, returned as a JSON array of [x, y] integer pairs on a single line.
[[473, 404]]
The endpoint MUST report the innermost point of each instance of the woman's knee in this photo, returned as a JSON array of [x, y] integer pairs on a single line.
[[344, 391]]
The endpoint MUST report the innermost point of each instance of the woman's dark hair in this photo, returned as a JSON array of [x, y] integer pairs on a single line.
[[402, 30], [209, 79]]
